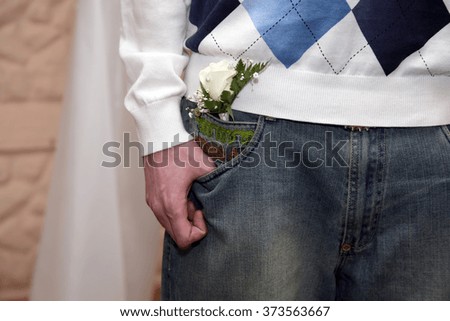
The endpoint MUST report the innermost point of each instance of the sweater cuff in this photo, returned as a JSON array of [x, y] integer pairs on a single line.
[[160, 126]]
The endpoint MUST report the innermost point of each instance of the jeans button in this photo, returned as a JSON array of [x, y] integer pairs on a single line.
[[346, 247]]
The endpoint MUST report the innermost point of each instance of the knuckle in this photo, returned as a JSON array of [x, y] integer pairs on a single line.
[[149, 200], [181, 240], [149, 203], [155, 207]]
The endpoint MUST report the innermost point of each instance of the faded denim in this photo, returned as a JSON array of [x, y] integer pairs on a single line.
[[373, 227]]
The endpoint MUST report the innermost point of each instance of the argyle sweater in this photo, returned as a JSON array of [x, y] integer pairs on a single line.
[[375, 63]]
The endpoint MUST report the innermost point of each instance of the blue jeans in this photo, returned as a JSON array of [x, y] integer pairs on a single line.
[[320, 212]]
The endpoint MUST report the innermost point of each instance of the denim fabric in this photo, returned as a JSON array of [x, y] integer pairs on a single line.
[[320, 212]]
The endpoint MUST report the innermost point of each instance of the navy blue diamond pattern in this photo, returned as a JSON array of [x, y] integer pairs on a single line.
[[291, 27], [395, 29], [206, 15]]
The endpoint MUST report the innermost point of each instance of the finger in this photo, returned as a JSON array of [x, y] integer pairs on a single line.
[[191, 210], [181, 227], [197, 220], [186, 232], [199, 223]]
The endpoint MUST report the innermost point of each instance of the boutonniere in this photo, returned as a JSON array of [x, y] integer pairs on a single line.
[[220, 83]]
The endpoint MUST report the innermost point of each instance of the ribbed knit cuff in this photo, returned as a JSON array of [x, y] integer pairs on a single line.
[[160, 126]]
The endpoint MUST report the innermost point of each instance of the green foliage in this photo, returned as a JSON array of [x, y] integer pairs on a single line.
[[222, 134], [244, 75]]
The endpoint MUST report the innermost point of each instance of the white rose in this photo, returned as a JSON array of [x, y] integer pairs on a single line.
[[217, 78]]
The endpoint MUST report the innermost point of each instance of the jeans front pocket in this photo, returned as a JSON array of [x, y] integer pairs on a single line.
[[227, 142]]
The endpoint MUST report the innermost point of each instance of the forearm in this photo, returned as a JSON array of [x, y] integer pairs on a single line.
[[151, 47]]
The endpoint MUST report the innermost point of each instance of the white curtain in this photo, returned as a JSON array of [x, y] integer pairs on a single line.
[[100, 241]]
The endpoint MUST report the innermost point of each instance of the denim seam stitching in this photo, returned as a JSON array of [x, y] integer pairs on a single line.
[[167, 272], [446, 130], [350, 197], [379, 198]]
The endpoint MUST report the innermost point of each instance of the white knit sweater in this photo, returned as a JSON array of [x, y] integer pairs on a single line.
[[373, 63]]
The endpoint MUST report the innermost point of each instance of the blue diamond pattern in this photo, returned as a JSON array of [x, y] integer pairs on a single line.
[[291, 27], [396, 29], [206, 15]]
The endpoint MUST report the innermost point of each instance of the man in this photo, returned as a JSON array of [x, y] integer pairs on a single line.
[[342, 191]]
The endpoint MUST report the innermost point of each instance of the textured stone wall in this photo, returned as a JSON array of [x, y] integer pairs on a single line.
[[35, 39]]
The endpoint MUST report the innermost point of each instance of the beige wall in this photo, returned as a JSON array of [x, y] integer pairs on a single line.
[[35, 36]]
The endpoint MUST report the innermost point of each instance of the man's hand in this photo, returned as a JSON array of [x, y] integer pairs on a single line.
[[169, 175]]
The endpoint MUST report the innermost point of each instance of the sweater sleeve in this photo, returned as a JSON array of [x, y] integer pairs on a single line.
[[151, 48]]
